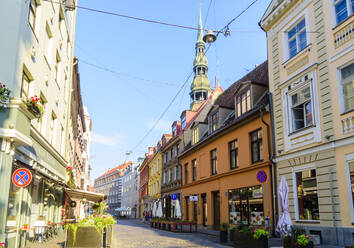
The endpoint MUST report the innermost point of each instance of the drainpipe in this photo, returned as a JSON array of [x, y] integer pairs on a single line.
[[272, 156]]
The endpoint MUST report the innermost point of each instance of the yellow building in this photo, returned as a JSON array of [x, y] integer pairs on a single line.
[[311, 74]]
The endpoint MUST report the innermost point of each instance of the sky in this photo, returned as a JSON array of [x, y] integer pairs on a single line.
[[131, 70]]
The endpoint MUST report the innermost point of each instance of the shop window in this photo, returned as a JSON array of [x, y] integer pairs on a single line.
[[347, 87], [194, 169], [350, 164], [256, 146], [306, 195], [187, 207], [246, 206], [233, 147], [213, 159], [195, 211], [243, 103]]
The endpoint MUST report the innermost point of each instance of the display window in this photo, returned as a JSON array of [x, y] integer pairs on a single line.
[[246, 206]]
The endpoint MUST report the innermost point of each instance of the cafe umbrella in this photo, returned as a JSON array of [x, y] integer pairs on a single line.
[[284, 223]]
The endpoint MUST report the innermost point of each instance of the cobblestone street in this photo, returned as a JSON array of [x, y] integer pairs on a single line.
[[134, 234]]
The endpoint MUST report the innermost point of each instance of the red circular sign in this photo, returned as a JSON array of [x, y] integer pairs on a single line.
[[22, 177], [261, 176]]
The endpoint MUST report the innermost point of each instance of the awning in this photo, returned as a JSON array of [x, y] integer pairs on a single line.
[[77, 194]]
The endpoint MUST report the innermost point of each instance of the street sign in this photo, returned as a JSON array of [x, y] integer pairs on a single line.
[[174, 196], [261, 176], [22, 177], [193, 198]]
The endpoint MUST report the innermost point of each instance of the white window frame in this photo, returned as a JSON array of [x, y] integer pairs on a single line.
[[296, 204], [349, 158], [334, 15], [286, 52], [340, 87]]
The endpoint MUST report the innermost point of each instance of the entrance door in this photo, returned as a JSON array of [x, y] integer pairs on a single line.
[[216, 203], [204, 210]]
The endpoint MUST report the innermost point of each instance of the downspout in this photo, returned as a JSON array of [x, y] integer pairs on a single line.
[[271, 157]]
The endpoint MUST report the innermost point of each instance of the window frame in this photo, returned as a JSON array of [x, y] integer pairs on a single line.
[[296, 37], [259, 142], [296, 204], [239, 100], [213, 120], [349, 158], [212, 160], [194, 170], [195, 135], [349, 10], [235, 154], [340, 90], [186, 173]]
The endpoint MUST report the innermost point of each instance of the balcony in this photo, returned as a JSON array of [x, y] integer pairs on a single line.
[[348, 125], [345, 33]]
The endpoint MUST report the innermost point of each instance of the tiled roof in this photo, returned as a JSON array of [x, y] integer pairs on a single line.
[[259, 75], [119, 167]]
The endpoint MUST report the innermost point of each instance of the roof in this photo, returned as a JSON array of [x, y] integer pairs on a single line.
[[259, 75], [119, 167]]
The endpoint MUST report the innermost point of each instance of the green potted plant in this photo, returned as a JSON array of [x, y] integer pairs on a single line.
[[243, 236], [4, 95], [232, 230], [35, 106], [223, 232], [261, 238], [297, 238]]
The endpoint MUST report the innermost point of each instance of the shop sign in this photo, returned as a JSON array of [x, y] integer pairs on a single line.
[[193, 198], [174, 196], [261, 176], [22, 177], [257, 193]]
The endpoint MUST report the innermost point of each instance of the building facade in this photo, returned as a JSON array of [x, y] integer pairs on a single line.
[[110, 183], [229, 147], [310, 47], [36, 61], [144, 184]]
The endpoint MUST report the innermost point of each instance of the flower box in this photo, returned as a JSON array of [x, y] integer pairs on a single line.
[[35, 106], [85, 237], [245, 239]]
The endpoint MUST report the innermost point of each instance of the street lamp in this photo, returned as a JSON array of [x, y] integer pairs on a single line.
[[209, 37]]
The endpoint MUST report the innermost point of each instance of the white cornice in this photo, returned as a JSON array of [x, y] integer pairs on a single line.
[[18, 137], [319, 148], [341, 53]]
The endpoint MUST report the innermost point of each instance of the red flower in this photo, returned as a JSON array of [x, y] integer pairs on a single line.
[[69, 168], [35, 104]]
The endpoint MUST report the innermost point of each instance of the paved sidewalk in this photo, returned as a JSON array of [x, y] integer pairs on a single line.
[[56, 242]]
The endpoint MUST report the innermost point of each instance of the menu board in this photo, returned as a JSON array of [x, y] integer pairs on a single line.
[[257, 218]]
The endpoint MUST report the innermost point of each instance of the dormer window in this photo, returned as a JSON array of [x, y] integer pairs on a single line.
[[213, 121], [195, 135], [183, 122], [174, 130], [243, 102]]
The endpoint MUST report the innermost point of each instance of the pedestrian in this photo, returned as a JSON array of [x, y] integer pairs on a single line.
[[40, 227]]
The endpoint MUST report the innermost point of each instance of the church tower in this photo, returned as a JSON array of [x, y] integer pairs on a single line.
[[200, 87]]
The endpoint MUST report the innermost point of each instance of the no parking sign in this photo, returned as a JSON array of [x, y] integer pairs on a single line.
[[22, 177]]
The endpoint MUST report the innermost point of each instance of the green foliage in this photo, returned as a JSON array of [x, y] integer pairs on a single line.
[[73, 227], [260, 233], [4, 93], [35, 105], [232, 228], [71, 181], [302, 240]]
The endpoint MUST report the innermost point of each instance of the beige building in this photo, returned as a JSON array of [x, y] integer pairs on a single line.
[[311, 73]]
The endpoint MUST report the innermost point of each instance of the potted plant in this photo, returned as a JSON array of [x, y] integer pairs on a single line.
[[4, 95], [261, 238], [243, 236], [297, 238], [223, 232], [232, 230], [35, 106]]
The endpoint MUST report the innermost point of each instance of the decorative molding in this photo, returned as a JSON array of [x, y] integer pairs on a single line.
[[341, 53], [18, 137]]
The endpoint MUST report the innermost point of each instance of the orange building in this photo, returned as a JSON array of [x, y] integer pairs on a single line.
[[228, 148]]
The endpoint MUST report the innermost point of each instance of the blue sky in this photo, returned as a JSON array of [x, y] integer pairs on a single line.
[[152, 62]]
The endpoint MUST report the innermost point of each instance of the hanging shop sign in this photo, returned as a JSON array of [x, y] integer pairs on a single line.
[[261, 176], [21, 177], [73, 204]]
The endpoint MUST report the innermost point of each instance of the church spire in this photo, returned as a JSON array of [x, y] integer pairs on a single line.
[[200, 87]]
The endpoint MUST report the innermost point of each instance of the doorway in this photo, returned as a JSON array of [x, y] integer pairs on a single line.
[[204, 210], [216, 204]]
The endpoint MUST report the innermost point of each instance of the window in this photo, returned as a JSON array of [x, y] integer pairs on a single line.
[[243, 102], [53, 124], [58, 69], [42, 121], [186, 173], [170, 175], [306, 195], [61, 21], [194, 169], [175, 174], [343, 9], [195, 135], [233, 154], [297, 38], [350, 164], [33, 14], [177, 148], [213, 121], [174, 130], [49, 48], [246, 206], [301, 108], [25, 91], [347, 85], [183, 121], [213, 159], [256, 146]]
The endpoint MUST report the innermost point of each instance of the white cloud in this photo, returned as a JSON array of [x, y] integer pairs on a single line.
[[163, 125], [104, 140]]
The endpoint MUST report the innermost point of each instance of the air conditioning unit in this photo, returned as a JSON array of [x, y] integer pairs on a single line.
[[69, 5]]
